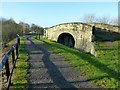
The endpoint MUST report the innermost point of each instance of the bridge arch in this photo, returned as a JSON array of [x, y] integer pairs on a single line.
[[66, 39], [75, 34]]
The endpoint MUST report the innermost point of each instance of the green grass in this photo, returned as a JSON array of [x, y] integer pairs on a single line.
[[19, 78], [101, 70]]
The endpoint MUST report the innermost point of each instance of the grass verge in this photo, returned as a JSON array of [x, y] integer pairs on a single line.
[[19, 78], [102, 70]]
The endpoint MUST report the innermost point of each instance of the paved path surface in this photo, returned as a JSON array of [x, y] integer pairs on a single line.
[[48, 70]]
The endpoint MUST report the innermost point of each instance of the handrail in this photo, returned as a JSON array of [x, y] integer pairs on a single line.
[[5, 62]]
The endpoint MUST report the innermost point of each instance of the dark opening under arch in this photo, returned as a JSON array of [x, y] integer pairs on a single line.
[[66, 39]]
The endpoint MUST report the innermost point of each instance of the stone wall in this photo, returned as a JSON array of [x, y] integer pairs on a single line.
[[107, 27], [105, 32], [81, 32]]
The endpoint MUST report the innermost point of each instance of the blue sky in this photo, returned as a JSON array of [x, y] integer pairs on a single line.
[[47, 14]]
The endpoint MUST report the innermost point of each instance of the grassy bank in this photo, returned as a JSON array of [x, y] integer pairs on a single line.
[[102, 70], [19, 78]]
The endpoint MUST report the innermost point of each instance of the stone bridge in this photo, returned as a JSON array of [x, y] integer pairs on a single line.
[[77, 35]]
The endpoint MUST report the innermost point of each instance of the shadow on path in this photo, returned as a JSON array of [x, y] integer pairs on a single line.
[[53, 71], [92, 61]]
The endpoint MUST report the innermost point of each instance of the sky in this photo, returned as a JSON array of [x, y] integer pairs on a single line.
[[47, 14]]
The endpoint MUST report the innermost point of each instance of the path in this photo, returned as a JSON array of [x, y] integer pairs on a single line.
[[48, 70]]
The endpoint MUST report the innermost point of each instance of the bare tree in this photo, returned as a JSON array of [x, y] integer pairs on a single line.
[[115, 21], [37, 28], [104, 20], [25, 27], [90, 18]]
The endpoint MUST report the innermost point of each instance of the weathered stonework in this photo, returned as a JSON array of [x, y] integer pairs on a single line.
[[107, 27], [106, 32], [82, 34]]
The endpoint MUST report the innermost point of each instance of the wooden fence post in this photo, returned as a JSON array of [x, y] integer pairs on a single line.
[[17, 51], [18, 39], [13, 57], [7, 69], [39, 35]]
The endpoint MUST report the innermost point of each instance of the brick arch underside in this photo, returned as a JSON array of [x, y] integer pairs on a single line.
[[66, 39]]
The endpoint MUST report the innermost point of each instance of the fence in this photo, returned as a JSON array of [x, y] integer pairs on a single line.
[[14, 51]]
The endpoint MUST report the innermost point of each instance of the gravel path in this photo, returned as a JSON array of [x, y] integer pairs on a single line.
[[48, 70]]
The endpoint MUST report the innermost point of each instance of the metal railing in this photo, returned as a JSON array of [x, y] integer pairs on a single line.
[[14, 51]]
